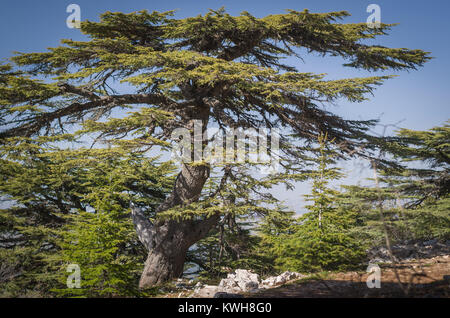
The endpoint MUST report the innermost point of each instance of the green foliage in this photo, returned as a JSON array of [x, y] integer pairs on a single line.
[[233, 245], [103, 245], [432, 220], [69, 204], [231, 65], [414, 198], [425, 174], [320, 240], [61, 196]]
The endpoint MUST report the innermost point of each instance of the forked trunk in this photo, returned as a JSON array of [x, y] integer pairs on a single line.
[[166, 260]]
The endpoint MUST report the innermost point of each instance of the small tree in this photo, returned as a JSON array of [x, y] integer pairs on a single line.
[[321, 239], [101, 244]]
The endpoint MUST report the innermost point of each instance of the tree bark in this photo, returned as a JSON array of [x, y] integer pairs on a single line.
[[173, 239], [168, 240]]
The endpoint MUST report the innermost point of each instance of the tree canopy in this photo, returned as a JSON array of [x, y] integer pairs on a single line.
[[230, 65]]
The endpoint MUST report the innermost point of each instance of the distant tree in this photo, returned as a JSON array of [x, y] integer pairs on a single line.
[[429, 152], [414, 194]]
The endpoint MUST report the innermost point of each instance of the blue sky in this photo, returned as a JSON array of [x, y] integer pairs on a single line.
[[418, 99]]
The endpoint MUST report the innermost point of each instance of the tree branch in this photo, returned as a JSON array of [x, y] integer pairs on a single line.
[[144, 227]]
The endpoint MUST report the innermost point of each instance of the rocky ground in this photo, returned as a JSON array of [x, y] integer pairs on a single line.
[[235, 285], [419, 278], [418, 269], [410, 251]]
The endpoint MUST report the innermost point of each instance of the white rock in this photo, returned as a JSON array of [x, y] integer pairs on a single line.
[[288, 275], [280, 280], [241, 281], [207, 291], [198, 285], [268, 282]]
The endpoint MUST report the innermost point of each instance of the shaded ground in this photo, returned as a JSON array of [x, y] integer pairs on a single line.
[[420, 278]]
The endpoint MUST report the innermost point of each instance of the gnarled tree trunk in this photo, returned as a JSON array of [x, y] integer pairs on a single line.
[[168, 240], [166, 259]]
